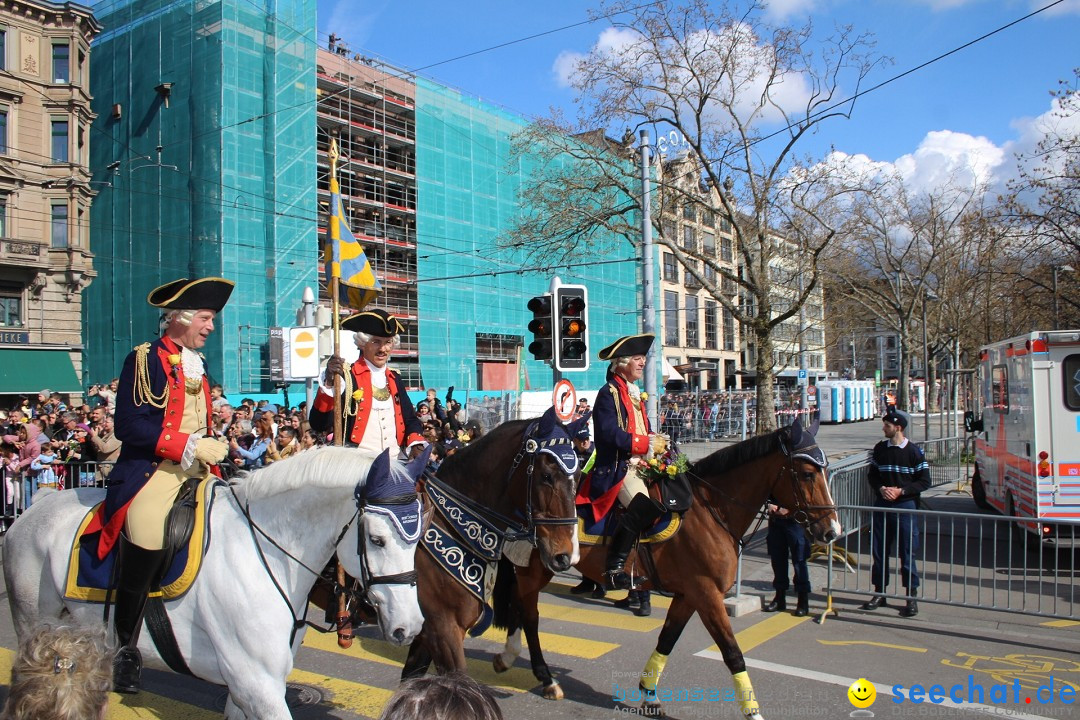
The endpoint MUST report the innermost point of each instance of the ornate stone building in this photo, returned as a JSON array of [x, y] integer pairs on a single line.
[[45, 193]]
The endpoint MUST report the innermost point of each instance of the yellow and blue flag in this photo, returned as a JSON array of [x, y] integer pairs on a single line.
[[345, 258]]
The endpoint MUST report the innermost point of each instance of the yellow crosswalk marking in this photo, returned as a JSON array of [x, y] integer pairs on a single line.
[[354, 697], [763, 631], [620, 619], [133, 707], [1060, 623], [517, 679], [561, 588], [559, 644]]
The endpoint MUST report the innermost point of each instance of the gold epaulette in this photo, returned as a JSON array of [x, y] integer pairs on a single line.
[[143, 392]]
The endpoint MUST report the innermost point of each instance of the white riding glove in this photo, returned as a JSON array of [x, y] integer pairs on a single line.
[[210, 451], [658, 444]]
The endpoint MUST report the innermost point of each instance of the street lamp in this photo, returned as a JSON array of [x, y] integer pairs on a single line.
[[1066, 268], [928, 295]]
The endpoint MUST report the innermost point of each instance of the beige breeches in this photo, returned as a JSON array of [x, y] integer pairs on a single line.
[[632, 485], [145, 521]]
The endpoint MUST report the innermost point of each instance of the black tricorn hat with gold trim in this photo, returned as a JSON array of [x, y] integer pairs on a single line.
[[373, 322], [628, 346], [201, 294]]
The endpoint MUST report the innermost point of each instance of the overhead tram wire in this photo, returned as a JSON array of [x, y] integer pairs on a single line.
[[135, 155]]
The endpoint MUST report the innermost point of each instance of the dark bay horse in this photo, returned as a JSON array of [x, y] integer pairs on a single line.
[[511, 491], [698, 563]]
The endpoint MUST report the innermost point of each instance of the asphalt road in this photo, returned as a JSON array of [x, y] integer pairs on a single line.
[[800, 667]]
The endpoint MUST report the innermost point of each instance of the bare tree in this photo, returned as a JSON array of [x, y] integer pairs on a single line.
[[721, 78]]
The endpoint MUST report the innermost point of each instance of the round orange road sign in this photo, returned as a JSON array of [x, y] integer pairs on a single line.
[[564, 399], [811, 390]]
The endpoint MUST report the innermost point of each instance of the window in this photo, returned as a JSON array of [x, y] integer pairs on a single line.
[[10, 305], [3, 131], [710, 325], [61, 62], [671, 268], [688, 238], [689, 212], [708, 219], [669, 231], [1000, 389], [59, 226], [3, 49], [671, 318], [3, 215], [708, 244], [1070, 373], [729, 330], [60, 140], [692, 321], [710, 275], [725, 249]]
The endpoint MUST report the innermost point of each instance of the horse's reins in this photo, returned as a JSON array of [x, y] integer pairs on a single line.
[[800, 514], [368, 580]]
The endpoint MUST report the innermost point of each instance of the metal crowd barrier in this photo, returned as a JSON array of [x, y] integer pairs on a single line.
[[851, 489], [963, 559], [68, 476]]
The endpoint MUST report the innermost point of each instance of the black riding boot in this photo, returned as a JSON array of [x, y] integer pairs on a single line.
[[802, 605], [140, 569], [639, 516]]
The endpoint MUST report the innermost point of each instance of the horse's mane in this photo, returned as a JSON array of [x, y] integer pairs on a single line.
[[323, 467], [736, 455], [479, 453]]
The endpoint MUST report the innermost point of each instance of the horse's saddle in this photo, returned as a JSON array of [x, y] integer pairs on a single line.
[[187, 533], [595, 533]]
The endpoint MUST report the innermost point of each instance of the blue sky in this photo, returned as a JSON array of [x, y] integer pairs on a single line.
[[977, 106]]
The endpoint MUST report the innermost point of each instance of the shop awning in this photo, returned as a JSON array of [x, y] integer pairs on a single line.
[[669, 373], [27, 372]]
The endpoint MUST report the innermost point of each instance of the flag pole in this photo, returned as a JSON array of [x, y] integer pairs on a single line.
[[335, 305]]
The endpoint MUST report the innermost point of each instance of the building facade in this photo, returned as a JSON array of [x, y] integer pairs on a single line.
[[429, 191], [205, 152], [46, 193]]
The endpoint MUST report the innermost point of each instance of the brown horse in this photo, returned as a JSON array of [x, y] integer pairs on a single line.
[[514, 486], [698, 563]]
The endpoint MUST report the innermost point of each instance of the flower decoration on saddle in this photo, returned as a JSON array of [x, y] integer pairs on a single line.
[[667, 465]]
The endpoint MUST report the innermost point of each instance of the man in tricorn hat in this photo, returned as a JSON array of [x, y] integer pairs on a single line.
[[622, 432], [163, 420], [377, 413]]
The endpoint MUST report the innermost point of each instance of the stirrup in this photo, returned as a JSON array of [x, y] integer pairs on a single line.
[[619, 579]]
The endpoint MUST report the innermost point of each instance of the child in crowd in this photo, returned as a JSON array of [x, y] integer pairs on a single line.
[[42, 470]]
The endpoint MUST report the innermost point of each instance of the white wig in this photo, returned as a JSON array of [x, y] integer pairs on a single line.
[[362, 338]]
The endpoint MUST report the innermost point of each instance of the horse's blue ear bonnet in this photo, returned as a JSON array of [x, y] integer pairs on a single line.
[[382, 486], [553, 440], [804, 446]]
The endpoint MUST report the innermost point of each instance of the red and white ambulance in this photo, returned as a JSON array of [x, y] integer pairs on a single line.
[[1027, 443]]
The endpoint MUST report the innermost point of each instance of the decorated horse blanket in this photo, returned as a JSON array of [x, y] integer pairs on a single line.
[[88, 578]]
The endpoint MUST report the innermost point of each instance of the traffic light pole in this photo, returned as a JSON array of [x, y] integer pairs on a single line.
[[648, 320]]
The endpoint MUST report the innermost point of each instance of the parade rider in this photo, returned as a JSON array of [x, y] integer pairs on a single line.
[[376, 411], [163, 420], [621, 433]]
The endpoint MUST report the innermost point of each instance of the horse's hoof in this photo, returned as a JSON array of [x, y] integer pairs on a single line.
[[652, 709], [553, 691], [499, 664]]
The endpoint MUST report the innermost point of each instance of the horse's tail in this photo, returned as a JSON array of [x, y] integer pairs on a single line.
[[504, 598]]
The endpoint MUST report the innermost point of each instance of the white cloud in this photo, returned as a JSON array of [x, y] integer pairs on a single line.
[[945, 158], [1069, 7], [778, 11]]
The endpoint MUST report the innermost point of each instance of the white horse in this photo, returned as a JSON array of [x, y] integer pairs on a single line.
[[235, 625]]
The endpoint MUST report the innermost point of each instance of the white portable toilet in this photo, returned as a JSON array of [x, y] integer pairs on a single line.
[[830, 402], [849, 401], [868, 399]]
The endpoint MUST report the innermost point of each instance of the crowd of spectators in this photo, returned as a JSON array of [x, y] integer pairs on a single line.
[[46, 443]]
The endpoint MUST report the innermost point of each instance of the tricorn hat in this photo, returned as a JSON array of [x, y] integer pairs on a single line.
[[628, 346], [373, 322], [202, 294]]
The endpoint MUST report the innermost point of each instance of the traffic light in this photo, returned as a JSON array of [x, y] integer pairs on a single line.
[[540, 327], [571, 328]]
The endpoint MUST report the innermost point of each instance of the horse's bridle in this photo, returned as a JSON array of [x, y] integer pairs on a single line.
[[367, 580], [514, 529], [800, 512]]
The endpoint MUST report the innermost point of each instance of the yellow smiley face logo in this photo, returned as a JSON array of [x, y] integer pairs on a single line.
[[862, 693]]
